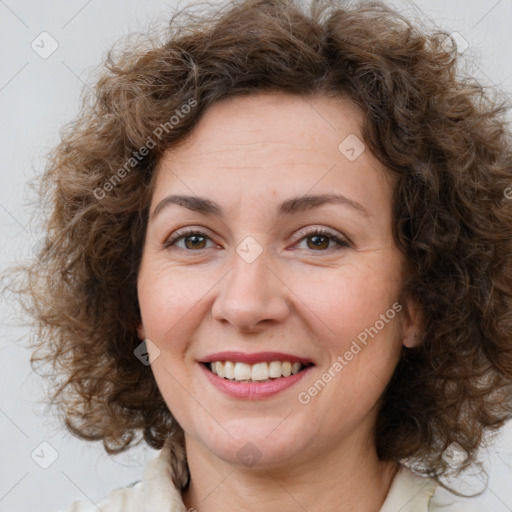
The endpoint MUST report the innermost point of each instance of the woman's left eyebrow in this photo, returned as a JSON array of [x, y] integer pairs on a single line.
[[290, 206]]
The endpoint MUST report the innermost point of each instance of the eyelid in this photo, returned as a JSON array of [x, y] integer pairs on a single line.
[[311, 230], [183, 233], [340, 240]]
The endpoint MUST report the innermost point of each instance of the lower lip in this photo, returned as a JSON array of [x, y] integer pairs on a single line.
[[253, 390]]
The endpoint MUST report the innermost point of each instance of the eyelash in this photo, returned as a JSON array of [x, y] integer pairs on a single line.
[[342, 244]]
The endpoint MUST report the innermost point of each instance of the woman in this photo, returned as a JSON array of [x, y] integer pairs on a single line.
[[279, 250]]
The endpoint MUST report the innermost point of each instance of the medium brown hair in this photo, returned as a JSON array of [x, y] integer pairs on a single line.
[[442, 136]]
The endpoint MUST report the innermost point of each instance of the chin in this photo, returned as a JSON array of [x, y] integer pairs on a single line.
[[256, 443]]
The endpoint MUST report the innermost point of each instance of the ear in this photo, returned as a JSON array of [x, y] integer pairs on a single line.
[[141, 333], [413, 324]]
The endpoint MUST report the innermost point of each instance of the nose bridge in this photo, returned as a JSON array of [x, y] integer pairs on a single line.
[[251, 292]]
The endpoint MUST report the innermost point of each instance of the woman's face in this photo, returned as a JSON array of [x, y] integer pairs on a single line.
[[253, 289]]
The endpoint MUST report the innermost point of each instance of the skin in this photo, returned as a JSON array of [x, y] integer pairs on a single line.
[[248, 155]]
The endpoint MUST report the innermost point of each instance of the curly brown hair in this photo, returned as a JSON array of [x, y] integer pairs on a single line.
[[444, 137]]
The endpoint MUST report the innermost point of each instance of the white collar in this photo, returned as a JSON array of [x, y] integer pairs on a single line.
[[408, 492], [156, 492]]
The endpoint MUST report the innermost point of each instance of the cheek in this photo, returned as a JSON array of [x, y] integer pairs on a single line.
[[360, 332], [168, 301], [349, 302]]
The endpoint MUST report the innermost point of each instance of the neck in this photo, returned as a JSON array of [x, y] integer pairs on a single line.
[[343, 480]]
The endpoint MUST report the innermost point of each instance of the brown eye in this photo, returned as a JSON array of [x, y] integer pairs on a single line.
[[319, 240], [197, 241], [192, 240]]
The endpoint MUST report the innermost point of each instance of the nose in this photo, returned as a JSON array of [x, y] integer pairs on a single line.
[[252, 296]]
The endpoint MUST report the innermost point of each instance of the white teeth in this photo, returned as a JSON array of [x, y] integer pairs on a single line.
[[295, 368], [220, 369], [256, 372], [242, 371], [229, 370], [259, 371], [274, 369], [287, 369]]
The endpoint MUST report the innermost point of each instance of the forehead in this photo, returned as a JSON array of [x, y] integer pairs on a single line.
[[315, 121], [275, 143]]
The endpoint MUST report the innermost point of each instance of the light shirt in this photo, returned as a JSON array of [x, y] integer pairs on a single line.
[[157, 493]]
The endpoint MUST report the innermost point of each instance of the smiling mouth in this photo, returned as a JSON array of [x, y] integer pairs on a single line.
[[259, 372]]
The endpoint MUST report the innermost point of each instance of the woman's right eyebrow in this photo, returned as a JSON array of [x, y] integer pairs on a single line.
[[288, 207]]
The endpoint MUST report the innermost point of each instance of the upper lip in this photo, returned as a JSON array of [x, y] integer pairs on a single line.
[[257, 357]]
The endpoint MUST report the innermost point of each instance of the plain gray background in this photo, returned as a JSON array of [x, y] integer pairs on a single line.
[[37, 96]]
